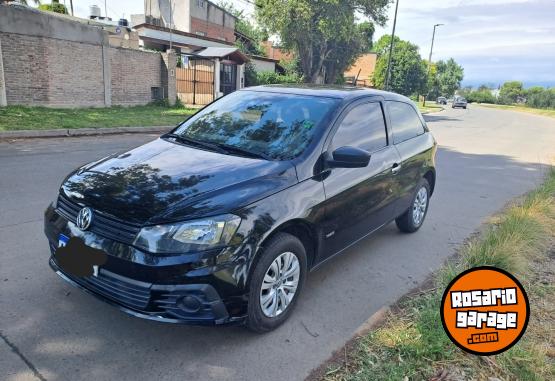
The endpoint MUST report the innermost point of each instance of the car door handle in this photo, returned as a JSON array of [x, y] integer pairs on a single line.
[[396, 168]]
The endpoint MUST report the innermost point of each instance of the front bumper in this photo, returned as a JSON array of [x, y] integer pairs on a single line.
[[205, 307], [179, 289]]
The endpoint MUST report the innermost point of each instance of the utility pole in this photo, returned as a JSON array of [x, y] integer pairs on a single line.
[[388, 74], [171, 23], [430, 62]]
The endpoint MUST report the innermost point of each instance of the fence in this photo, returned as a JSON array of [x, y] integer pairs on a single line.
[[195, 81]]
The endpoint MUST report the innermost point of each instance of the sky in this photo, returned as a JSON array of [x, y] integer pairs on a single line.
[[494, 40]]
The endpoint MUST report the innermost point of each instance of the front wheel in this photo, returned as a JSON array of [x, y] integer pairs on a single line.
[[413, 218], [276, 282]]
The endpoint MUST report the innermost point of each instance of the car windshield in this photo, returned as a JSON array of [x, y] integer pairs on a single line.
[[277, 126]]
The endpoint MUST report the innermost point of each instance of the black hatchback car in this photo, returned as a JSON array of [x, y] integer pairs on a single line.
[[220, 220]]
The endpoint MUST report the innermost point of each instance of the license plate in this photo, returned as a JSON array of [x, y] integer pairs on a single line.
[[62, 240]]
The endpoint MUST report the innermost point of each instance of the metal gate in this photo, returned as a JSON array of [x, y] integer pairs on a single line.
[[195, 81]]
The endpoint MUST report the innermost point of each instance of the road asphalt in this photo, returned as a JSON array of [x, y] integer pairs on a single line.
[[53, 331]]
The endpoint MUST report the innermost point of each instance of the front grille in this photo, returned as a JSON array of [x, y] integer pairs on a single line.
[[129, 293], [134, 295], [103, 225]]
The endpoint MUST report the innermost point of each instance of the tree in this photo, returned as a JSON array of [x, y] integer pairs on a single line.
[[510, 92], [55, 7], [449, 76], [323, 33], [408, 70], [244, 26], [345, 52], [540, 98]]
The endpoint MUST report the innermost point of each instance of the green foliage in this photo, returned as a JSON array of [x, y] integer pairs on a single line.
[[245, 27], [250, 75], [55, 7], [449, 77], [344, 52], [408, 70], [271, 78], [43, 118], [510, 92], [323, 34], [540, 98], [482, 95]]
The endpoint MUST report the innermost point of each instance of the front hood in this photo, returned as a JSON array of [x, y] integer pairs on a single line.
[[163, 181]]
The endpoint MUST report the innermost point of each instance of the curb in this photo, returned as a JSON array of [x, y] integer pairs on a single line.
[[433, 112], [58, 133]]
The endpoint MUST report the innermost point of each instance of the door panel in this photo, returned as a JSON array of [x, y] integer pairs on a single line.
[[412, 143], [358, 200], [415, 156]]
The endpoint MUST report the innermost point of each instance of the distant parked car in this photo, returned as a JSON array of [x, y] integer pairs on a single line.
[[459, 102], [441, 101]]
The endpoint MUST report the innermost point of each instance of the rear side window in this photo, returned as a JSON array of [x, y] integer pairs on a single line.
[[363, 127], [405, 122]]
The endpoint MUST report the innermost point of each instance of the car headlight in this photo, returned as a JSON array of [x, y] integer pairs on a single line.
[[188, 236]]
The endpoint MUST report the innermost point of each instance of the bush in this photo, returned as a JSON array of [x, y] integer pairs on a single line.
[[271, 78], [250, 75], [539, 97], [54, 7], [480, 96]]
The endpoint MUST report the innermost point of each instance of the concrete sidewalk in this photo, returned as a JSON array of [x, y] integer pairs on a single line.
[[63, 132]]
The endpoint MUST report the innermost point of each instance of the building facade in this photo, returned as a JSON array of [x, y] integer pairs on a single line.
[[199, 17], [362, 71]]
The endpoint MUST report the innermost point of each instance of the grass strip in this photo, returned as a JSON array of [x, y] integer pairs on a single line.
[[44, 118], [411, 343], [530, 110], [430, 107]]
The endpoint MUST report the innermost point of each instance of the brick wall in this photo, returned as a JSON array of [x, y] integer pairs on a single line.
[[134, 73], [41, 71], [212, 30], [56, 62]]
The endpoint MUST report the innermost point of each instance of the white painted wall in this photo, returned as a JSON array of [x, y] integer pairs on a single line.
[[261, 65]]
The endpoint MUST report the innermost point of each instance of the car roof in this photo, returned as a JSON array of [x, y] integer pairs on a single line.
[[328, 91]]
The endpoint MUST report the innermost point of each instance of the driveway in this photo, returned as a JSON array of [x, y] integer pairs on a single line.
[[53, 331]]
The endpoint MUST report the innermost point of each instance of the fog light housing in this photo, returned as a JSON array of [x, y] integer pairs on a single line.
[[190, 304]]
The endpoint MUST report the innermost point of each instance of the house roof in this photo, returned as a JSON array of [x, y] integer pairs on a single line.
[[217, 52], [262, 58], [163, 34]]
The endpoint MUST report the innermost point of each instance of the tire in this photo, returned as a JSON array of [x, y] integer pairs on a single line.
[[464, 107], [408, 222], [278, 247]]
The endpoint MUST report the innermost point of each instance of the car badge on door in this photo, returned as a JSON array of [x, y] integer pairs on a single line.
[[84, 218]]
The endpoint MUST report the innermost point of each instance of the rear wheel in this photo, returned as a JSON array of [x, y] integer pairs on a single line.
[[276, 283], [413, 218]]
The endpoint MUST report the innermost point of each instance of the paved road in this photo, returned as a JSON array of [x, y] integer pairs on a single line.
[[487, 157]]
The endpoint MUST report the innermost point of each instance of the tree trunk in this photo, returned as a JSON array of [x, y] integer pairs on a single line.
[[317, 68]]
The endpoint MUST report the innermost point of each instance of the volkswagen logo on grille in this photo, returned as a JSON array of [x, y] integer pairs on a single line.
[[84, 218]]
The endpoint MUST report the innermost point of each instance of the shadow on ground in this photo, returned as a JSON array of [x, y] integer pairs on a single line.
[[69, 335]]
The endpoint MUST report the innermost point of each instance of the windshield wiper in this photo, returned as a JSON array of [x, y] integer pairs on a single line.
[[219, 147], [244, 151], [193, 142]]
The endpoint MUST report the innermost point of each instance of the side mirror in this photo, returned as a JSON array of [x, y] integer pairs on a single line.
[[349, 157]]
